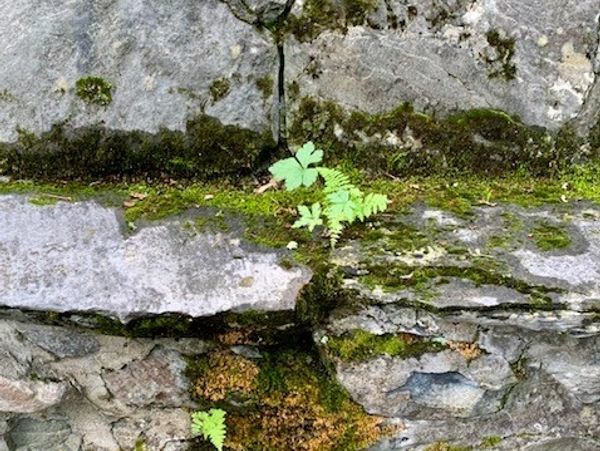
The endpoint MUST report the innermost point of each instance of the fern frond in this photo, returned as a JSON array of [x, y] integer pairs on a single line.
[[335, 228], [211, 425], [372, 204], [335, 181]]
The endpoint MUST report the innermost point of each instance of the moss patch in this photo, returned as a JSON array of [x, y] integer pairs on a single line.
[[219, 89], [501, 62], [361, 345], [289, 402], [446, 446], [549, 237], [94, 90], [321, 15], [265, 85], [207, 149], [403, 142]]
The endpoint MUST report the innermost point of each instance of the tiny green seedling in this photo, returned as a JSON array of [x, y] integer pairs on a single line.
[[211, 425], [342, 202]]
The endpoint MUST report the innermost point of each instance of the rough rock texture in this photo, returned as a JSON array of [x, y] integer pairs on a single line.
[[113, 395], [510, 298], [535, 59], [75, 257], [160, 58]]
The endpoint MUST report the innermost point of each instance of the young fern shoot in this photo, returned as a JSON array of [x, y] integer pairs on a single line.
[[211, 425], [342, 202]]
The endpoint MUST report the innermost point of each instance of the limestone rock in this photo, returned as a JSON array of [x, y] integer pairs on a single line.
[[160, 58], [76, 258], [533, 59], [508, 295]]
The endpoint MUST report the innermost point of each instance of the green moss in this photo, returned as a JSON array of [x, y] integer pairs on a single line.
[[219, 89], [6, 96], [266, 85], [549, 237], [287, 397], [491, 442], [207, 149], [321, 15], [478, 141], [94, 90], [501, 64], [424, 279], [446, 446], [42, 200], [361, 345]]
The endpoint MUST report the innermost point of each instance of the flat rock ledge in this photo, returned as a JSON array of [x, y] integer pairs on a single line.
[[80, 257], [478, 331]]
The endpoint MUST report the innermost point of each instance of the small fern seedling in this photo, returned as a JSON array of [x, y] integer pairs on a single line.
[[211, 425], [342, 202]]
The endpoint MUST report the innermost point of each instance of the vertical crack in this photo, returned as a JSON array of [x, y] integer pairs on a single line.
[[281, 105]]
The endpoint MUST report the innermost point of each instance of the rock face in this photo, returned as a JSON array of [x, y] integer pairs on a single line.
[[477, 329], [112, 395], [165, 63], [74, 257], [146, 65], [533, 59]]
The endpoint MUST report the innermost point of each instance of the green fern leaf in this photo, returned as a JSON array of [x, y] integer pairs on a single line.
[[296, 171], [335, 180], [335, 228], [309, 218], [373, 203], [342, 206], [211, 425]]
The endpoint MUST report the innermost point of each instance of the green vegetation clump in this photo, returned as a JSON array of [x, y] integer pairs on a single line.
[[265, 85], [479, 141], [207, 149], [549, 237], [501, 65], [219, 89], [94, 90], [321, 15], [361, 345], [288, 399], [491, 441], [211, 425], [342, 202], [446, 446]]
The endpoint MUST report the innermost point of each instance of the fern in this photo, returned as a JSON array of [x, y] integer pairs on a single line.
[[343, 202], [211, 425]]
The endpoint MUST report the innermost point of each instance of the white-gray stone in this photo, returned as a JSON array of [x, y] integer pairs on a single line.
[[73, 257], [160, 57], [436, 55]]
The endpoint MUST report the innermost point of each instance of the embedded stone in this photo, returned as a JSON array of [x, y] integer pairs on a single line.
[[76, 257]]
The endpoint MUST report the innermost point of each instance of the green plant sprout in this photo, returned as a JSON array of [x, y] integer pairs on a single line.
[[211, 425], [342, 202]]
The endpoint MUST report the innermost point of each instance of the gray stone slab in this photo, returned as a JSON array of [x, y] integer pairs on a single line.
[[73, 257], [160, 57]]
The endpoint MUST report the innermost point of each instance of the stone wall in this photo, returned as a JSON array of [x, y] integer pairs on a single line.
[[159, 65]]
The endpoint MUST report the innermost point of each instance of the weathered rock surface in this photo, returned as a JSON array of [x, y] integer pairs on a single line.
[[514, 319], [535, 59], [160, 58], [75, 257], [120, 392]]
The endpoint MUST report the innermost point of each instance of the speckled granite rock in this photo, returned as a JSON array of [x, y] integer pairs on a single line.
[[487, 326], [75, 257]]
